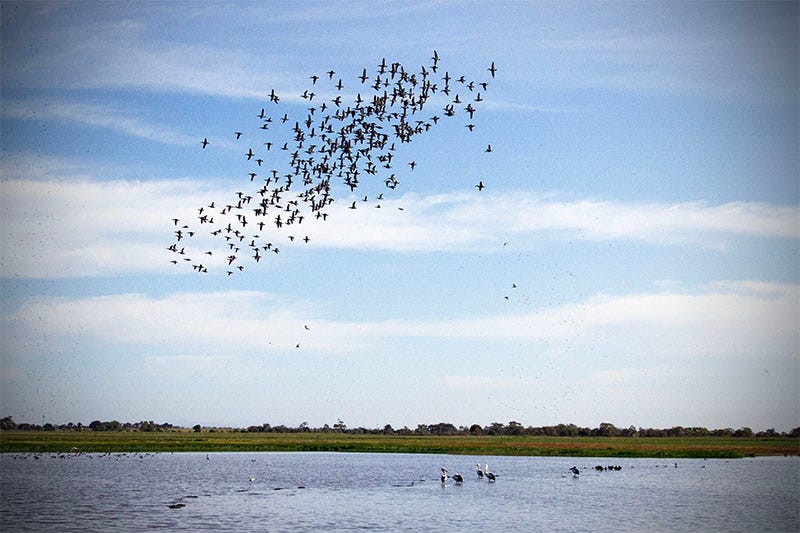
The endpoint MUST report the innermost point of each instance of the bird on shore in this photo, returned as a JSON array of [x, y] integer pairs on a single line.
[[489, 475], [480, 471], [458, 478]]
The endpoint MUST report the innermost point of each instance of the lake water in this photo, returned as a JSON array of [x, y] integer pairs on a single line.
[[394, 492]]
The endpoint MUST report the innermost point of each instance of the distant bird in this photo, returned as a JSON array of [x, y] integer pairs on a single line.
[[204, 143], [238, 134], [480, 186], [480, 471], [445, 475], [575, 471], [489, 148], [458, 478], [489, 475], [492, 69]]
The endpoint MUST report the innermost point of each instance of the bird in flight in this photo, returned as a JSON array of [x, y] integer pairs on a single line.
[[352, 142]]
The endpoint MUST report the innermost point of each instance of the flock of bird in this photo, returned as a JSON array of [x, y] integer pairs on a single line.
[[345, 140]]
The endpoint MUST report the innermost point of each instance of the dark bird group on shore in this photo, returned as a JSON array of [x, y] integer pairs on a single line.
[[300, 165]]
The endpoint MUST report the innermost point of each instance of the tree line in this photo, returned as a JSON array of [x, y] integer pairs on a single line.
[[513, 428]]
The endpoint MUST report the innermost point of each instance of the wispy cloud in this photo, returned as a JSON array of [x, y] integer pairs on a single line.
[[102, 116], [82, 227], [231, 323]]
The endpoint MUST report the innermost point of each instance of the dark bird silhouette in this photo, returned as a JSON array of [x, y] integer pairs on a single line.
[[480, 186], [352, 143], [575, 471]]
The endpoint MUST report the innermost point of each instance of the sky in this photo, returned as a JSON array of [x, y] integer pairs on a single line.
[[632, 259]]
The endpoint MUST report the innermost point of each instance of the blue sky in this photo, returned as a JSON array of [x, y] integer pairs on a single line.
[[633, 258]]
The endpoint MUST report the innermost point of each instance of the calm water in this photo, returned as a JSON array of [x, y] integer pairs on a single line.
[[336, 491]]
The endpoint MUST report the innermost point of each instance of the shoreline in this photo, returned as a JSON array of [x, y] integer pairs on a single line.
[[187, 441]]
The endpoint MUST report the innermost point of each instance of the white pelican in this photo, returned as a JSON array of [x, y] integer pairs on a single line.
[[489, 475]]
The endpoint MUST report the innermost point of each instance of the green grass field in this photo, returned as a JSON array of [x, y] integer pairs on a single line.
[[182, 441]]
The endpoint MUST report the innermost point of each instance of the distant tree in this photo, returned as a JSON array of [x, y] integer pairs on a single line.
[[795, 432], [388, 430], [744, 432], [7, 423], [515, 428], [497, 428], [422, 429], [475, 429], [339, 425], [442, 428], [197, 428], [676, 431], [94, 425], [606, 429], [630, 432]]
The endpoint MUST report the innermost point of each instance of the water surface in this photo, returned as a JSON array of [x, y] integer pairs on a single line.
[[273, 491]]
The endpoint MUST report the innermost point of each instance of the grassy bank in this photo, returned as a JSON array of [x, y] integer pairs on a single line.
[[181, 441]]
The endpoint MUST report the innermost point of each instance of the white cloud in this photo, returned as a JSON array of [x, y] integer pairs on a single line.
[[646, 325], [103, 116], [82, 227], [473, 382]]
